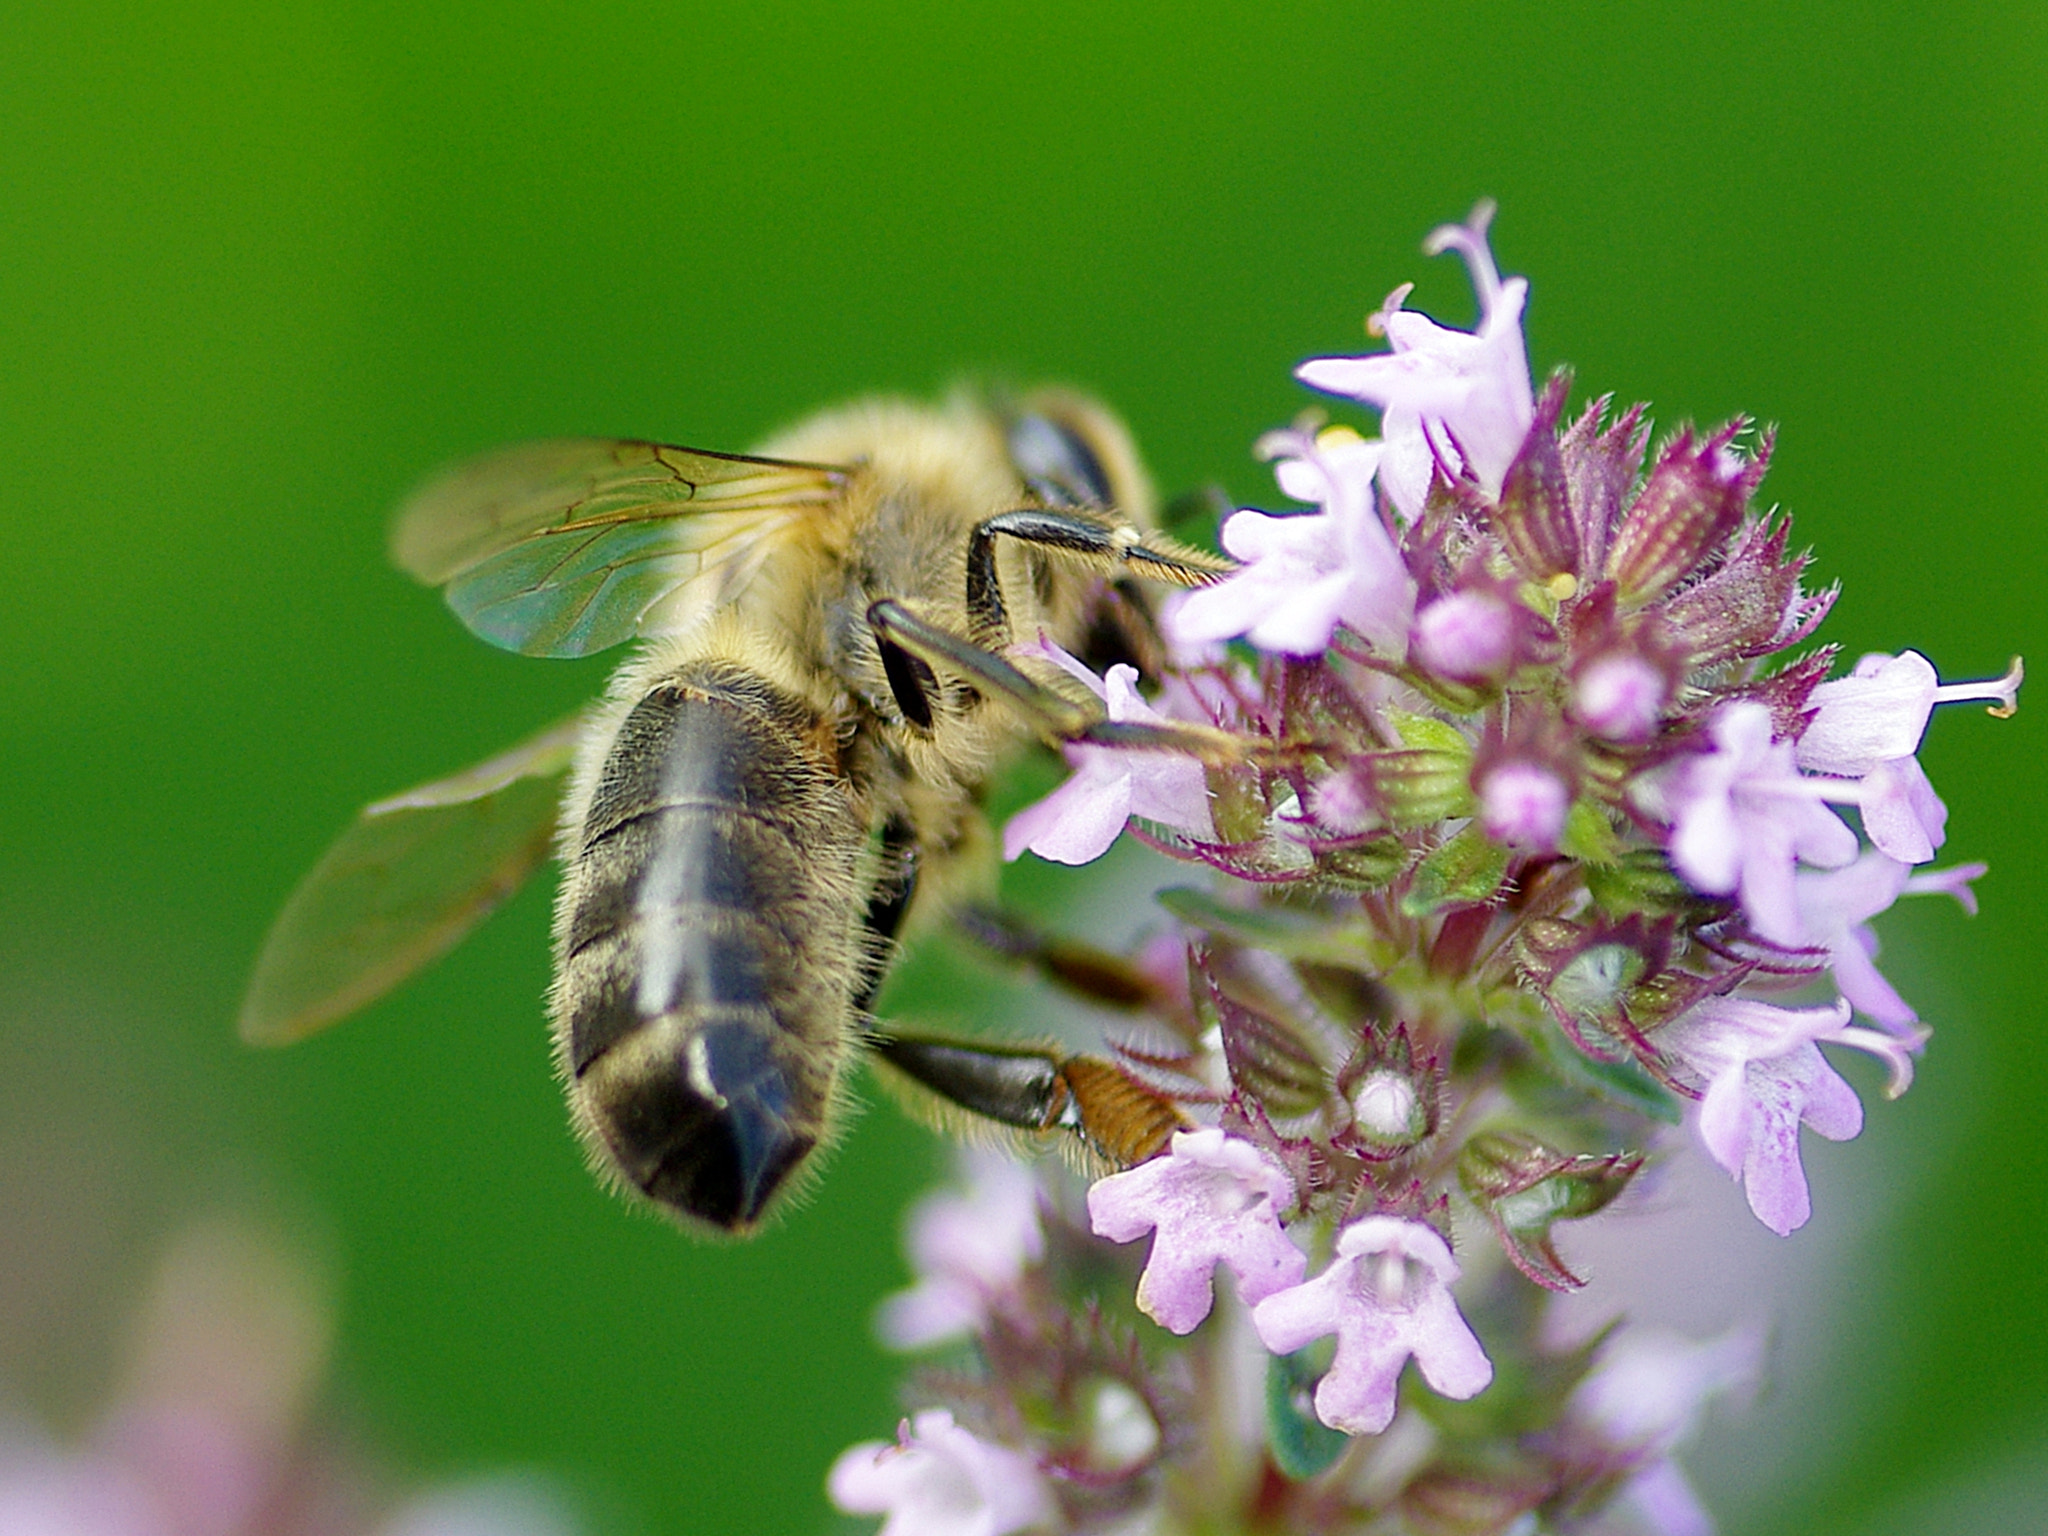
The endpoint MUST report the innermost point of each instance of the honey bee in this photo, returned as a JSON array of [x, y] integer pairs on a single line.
[[790, 763]]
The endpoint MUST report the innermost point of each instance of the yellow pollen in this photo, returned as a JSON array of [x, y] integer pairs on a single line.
[[1562, 586], [2014, 676], [1337, 437]]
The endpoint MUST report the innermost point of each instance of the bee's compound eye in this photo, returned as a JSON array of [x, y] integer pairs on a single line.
[[1057, 463]]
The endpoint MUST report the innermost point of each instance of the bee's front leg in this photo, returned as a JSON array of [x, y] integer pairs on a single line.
[[1113, 547]]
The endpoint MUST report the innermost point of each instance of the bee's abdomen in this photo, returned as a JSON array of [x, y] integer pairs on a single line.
[[708, 955]]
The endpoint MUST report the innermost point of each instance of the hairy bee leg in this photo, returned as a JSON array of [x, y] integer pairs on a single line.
[[1093, 974], [921, 646], [891, 899], [896, 627], [1093, 541], [1031, 1088]]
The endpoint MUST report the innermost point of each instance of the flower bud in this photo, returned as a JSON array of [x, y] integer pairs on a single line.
[[1392, 1095], [1468, 636], [1387, 1108], [1620, 697], [1523, 805], [1416, 786], [1120, 1432]]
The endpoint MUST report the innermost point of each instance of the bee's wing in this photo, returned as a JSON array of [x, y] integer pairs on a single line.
[[563, 548], [408, 879]]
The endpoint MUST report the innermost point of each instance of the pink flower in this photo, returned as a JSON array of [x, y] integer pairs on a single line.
[[1212, 1199], [1457, 398], [1306, 574], [1743, 817], [1620, 697], [1386, 1295], [969, 1247], [1077, 822], [1764, 1076], [940, 1480], [1880, 712]]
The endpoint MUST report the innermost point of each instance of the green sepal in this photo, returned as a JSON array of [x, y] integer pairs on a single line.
[[1617, 1082], [1236, 808], [1459, 871], [1638, 880], [1363, 866], [1426, 733], [1591, 984], [1303, 1446]]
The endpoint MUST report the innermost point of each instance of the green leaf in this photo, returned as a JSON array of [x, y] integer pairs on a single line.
[[1303, 1446]]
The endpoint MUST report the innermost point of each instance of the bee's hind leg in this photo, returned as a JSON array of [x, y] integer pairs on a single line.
[[1040, 1090]]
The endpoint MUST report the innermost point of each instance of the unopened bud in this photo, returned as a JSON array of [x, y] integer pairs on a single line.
[[1619, 697], [1388, 1108], [1467, 636], [1121, 1434], [1523, 805]]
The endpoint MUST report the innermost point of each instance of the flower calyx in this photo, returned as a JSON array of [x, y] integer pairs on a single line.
[[1692, 501], [1522, 1187]]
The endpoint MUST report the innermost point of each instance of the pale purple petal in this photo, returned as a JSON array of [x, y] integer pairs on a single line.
[[1462, 398], [1879, 713], [1649, 1386], [1167, 787], [1306, 574], [1743, 817], [1386, 1295], [1901, 812], [969, 1247], [1077, 822], [1954, 881], [1864, 719], [1763, 1074], [1833, 906], [940, 1480], [1211, 1199], [1664, 1499]]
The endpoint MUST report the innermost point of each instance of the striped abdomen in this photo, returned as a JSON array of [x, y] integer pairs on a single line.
[[709, 953]]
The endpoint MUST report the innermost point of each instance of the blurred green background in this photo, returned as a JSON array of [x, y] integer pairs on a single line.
[[262, 265]]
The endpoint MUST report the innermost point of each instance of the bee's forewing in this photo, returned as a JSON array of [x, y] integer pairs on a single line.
[[408, 879], [563, 548]]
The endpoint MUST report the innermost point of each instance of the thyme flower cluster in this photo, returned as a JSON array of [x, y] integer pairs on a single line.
[[1538, 825]]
